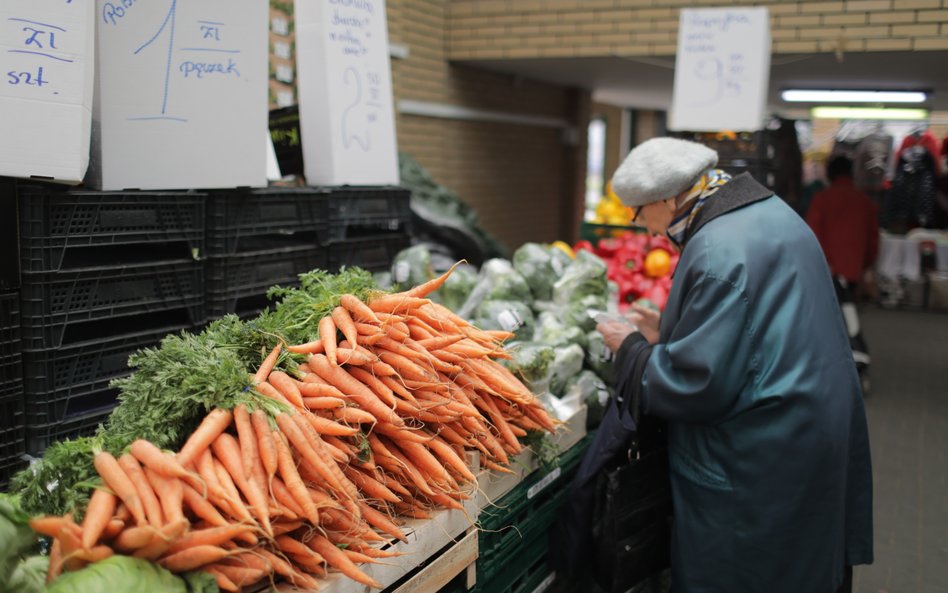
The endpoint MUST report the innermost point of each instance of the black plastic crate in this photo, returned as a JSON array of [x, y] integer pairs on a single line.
[[358, 211], [373, 253], [9, 242], [60, 308], [70, 230], [85, 363], [9, 338], [12, 431], [241, 221], [239, 283], [38, 437]]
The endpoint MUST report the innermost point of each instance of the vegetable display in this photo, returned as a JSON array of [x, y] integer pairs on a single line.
[[360, 410]]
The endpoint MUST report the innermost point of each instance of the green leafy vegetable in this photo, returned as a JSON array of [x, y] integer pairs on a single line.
[[535, 263], [124, 573], [585, 276], [17, 542], [545, 449]]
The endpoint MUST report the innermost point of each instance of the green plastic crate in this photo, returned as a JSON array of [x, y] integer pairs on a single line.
[[596, 232], [523, 572], [526, 512]]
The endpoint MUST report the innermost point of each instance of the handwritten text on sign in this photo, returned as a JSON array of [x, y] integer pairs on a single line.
[[40, 52], [722, 69]]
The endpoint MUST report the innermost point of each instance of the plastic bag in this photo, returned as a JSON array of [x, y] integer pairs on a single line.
[[593, 391], [599, 358], [535, 263], [584, 277], [567, 363], [457, 287], [531, 363], [412, 266], [497, 281], [509, 316], [551, 330]]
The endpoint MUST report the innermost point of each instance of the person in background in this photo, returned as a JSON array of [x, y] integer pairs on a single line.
[[846, 223], [749, 366], [814, 169]]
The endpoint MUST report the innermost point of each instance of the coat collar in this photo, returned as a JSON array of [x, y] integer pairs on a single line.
[[739, 192]]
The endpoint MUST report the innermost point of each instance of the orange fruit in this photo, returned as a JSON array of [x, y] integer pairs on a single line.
[[657, 263]]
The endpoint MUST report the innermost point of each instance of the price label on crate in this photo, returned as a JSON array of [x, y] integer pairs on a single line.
[[509, 320], [543, 483]]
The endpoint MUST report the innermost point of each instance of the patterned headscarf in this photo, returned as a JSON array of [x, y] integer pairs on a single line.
[[706, 185]]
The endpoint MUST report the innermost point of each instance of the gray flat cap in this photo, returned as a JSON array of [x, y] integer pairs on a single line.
[[659, 169]]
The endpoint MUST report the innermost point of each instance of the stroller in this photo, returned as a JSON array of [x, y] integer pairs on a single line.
[[844, 294]]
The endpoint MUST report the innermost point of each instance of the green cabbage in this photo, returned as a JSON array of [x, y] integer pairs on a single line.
[[585, 276], [535, 263], [121, 574]]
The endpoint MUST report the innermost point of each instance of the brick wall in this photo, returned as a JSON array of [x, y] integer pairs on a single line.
[[587, 28], [520, 178]]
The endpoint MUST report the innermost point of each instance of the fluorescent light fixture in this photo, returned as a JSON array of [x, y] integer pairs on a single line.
[[868, 113], [817, 96]]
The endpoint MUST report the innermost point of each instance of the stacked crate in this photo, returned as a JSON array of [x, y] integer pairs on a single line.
[[12, 434], [258, 238], [368, 226], [103, 274]]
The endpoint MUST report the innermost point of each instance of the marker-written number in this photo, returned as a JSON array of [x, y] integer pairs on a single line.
[[14, 77]]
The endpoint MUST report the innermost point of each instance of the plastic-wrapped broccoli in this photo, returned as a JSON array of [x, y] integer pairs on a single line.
[[551, 330], [535, 263], [592, 390], [567, 363], [559, 260], [531, 362], [576, 313], [412, 266], [599, 358], [457, 287], [511, 316], [497, 281], [585, 276], [383, 280]]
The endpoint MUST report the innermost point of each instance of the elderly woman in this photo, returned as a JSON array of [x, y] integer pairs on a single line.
[[751, 368]]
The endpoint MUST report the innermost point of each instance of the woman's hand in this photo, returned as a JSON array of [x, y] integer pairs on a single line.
[[615, 332], [647, 321]]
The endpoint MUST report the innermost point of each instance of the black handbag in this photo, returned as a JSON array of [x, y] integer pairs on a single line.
[[632, 518]]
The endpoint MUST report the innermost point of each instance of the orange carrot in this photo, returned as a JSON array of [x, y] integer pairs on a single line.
[[235, 504], [357, 391], [352, 415], [201, 507], [134, 538], [247, 439], [263, 371], [426, 288], [265, 446], [145, 492], [313, 347], [327, 334], [357, 309], [338, 560], [227, 450], [283, 496], [193, 557], [285, 569], [48, 525], [313, 386], [161, 540], [392, 303], [437, 343], [370, 486], [448, 455], [55, 561], [375, 384], [345, 324], [287, 386], [154, 458], [334, 428], [170, 492], [322, 403], [352, 357], [367, 329], [293, 482], [213, 424], [118, 481], [98, 513], [214, 536], [114, 528], [240, 576], [223, 582]]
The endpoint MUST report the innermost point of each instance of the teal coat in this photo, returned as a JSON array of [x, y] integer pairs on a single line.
[[768, 443]]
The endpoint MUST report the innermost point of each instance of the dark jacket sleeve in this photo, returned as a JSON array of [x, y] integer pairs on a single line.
[[630, 366]]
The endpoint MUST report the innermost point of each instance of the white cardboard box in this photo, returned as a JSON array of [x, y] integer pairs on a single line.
[[46, 93], [181, 94], [347, 120]]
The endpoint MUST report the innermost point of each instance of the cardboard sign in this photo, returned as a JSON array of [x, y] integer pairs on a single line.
[[721, 70], [345, 92], [46, 89], [181, 94]]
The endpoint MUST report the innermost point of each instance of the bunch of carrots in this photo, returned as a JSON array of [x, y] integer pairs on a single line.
[[377, 425]]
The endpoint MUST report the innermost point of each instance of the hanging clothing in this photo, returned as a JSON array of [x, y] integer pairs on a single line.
[[927, 141], [871, 161], [911, 202], [846, 223]]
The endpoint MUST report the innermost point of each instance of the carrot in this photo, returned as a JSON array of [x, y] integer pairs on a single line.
[[322, 403], [55, 561], [145, 492], [312, 386], [357, 309], [263, 371], [118, 481], [338, 560], [265, 446], [293, 482], [284, 568], [207, 469], [287, 386], [247, 439], [167, 465], [345, 324], [266, 389], [344, 449], [352, 357], [170, 493], [450, 457], [161, 539], [240, 576], [213, 424], [406, 367], [111, 531], [214, 536], [334, 428], [193, 557], [397, 388], [292, 546], [352, 415], [223, 582], [313, 347], [426, 288], [391, 303], [439, 342], [98, 513], [235, 504], [134, 538], [48, 525], [370, 486], [227, 450], [201, 507], [283, 496], [284, 527], [327, 333], [412, 472], [357, 391], [367, 330], [425, 461]]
